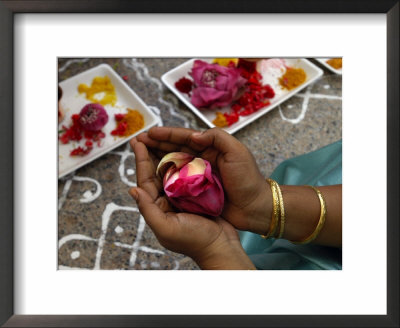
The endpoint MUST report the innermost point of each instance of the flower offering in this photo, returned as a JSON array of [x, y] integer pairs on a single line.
[[190, 184], [87, 124], [237, 87], [214, 85], [93, 117]]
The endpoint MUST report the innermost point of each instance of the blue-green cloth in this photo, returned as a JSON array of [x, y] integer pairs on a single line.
[[322, 167]]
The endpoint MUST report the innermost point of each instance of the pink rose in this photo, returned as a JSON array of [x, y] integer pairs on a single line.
[[215, 85], [190, 184]]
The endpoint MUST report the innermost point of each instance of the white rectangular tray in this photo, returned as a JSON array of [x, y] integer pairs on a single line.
[[72, 102], [207, 116], [323, 61]]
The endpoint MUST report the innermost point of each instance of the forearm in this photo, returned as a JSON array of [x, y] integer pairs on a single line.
[[302, 212]]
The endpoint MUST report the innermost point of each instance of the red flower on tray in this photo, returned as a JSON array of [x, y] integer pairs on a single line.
[[87, 124]]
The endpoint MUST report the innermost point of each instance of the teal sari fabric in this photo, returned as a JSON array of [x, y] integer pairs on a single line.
[[322, 167]]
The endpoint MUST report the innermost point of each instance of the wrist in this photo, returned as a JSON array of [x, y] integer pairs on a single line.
[[297, 208], [262, 217], [229, 255]]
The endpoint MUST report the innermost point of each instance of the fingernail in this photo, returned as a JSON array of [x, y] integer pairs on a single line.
[[134, 194], [197, 134]]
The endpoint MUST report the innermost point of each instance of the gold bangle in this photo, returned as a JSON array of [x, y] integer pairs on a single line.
[[320, 222], [281, 212], [275, 210]]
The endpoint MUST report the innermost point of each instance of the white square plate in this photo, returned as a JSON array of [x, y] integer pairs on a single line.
[[323, 61], [72, 102], [208, 115]]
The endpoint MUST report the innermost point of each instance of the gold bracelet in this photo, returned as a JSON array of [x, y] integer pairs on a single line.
[[281, 212], [275, 210], [320, 222]]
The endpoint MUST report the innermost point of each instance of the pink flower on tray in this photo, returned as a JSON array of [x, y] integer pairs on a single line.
[[215, 85], [93, 117], [190, 184]]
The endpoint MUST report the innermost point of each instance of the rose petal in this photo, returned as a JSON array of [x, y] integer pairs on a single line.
[[205, 97], [222, 82], [209, 202], [177, 158], [196, 166], [184, 187], [194, 187]]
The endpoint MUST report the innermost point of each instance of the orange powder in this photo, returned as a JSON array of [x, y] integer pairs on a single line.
[[336, 63], [100, 84], [292, 78], [220, 120], [133, 120]]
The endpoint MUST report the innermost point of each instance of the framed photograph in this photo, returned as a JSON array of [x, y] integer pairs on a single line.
[[47, 276]]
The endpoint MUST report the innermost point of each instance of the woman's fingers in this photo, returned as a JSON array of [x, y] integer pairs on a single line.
[[164, 146], [167, 139], [155, 217], [171, 139], [219, 139], [209, 144], [180, 136], [154, 157], [145, 170]]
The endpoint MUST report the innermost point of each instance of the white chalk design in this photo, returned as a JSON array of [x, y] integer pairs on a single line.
[[110, 209], [75, 255], [306, 98], [118, 230], [123, 172], [88, 196], [303, 109], [150, 250], [71, 237], [70, 62], [157, 111], [143, 74], [185, 113], [64, 194], [136, 243], [155, 265], [134, 248]]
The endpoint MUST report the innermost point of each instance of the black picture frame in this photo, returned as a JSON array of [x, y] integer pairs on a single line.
[[7, 11]]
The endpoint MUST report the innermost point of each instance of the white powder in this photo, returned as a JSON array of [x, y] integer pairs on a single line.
[[271, 70]]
